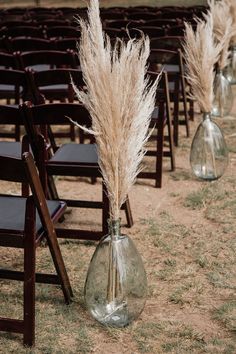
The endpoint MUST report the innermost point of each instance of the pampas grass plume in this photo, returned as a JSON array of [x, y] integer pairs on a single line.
[[201, 54], [223, 28], [120, 100]]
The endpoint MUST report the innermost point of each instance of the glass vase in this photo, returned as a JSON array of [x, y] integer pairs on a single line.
[[230, 70], [116, 283], [209, 153], [223, 95]]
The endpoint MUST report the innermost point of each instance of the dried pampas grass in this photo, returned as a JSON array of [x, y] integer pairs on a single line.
[[232, 6], [201, 54], [120, 100], [222, 28]]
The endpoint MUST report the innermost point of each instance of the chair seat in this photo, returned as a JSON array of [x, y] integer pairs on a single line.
[[12, 213], [82, 154], [10, 148], [53, 88]]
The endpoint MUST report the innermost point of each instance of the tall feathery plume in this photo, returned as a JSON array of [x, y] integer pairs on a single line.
[[120, 100], [232, 6], [223, 28], [201, 54]]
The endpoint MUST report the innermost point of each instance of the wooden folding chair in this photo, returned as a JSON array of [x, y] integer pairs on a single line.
[[23, 224], [172, 62], [68, 160], [55, 85], [14, 89], [161, 118]]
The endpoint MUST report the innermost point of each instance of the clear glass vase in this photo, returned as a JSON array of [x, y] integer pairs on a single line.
[[209, 153], [230, 70], [223, 95], [116, 283]]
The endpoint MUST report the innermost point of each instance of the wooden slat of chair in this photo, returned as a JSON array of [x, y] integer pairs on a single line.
[[27, 235]]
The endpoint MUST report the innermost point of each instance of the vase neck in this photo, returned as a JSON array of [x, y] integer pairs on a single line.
[[206, 115], [114, 227]]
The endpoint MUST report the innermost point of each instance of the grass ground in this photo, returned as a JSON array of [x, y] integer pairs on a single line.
[[185, 233]]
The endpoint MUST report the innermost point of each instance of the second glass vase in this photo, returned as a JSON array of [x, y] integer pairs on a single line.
[[116, 283], [209, 153], [230, 70], [223, 96]]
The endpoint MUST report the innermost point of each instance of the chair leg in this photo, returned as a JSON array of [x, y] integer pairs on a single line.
[[176, 122], [105, 210], [29, 276], [59, 265], [128, 213]]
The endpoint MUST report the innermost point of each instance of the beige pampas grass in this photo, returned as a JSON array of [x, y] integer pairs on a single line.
[[120, 100], [232, 6], [201, 54], [222, 28]]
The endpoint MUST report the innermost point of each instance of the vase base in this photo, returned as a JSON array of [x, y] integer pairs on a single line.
[[113, 314]]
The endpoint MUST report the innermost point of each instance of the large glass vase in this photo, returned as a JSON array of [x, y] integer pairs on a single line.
[[116, 283], [209, 153], [230, 70], [223, 96]]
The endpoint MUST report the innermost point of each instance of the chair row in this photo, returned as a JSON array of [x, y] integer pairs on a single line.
[[132, 29], [11, 45], [55, 85], [138, 12], [42, 60]]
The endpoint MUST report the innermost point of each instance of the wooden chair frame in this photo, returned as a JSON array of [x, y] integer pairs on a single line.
[[23, 170]]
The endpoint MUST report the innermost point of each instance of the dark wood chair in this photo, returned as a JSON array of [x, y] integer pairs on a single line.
[[14, 89], [161, 121], [24, 221], [62, 32], [55, 85], [152, 31], [23, 31], [140, 15], [63, 44], [46, 59], [8, 60], [69, 159], [26, 44], [171, 62], [175, 43]]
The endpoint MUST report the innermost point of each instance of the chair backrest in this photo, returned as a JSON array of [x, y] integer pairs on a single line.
[[51, 22], [46, 57], [63, 44], [62, 32], [142, 15], [29, 44], [10, 115], [152, 31], [165, 59], [123, 24], [41, 80], [23, 31], [167, 42], [158, 22], [16, 81], [8, 61], [50, 114]]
